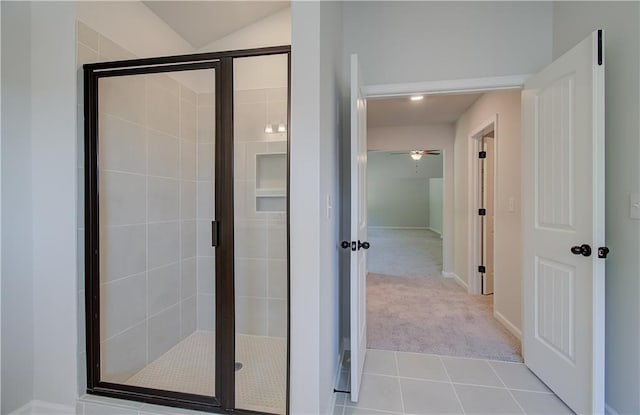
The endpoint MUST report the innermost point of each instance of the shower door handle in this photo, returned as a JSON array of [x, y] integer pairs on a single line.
[[214, 233]]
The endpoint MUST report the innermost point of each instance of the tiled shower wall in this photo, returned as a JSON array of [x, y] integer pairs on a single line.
[[205, 195], [261, 244], [153, 168]]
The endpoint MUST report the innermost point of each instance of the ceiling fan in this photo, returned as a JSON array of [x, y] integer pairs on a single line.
[[417, 154]]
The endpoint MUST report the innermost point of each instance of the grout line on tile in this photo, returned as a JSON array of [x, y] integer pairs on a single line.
[[352, 405], [395, 360], [478, 385], [181, 222], [124, 331], [508, 390], [119, 279], [530, 391], [476, 358], [424, 380], [455, 392]]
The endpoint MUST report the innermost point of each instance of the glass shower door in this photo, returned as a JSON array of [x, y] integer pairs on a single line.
[[260, 218], [186, 162], [155, 176]]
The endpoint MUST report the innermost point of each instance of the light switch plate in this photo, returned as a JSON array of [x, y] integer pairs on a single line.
[[634, 206]]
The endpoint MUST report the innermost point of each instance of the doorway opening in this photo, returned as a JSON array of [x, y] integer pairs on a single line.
[[561, 166], [423, 295], [405, 212], [482, 209]]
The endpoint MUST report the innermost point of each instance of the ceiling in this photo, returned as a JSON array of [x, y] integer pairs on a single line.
[[202, 22], [433, 109]]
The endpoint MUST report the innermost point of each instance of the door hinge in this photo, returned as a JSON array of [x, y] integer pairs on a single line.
[[482, 269], [482, 155], [482, 212], [600, 47], [214, 233]]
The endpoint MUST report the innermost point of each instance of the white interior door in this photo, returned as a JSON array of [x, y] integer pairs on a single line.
[[358, 229], [563, 207]]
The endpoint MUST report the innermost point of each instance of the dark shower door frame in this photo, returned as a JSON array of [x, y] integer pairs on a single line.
[[222, 63]]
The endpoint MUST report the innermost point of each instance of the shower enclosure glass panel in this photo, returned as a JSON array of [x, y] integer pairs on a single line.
[[260, 219], [156, 203]]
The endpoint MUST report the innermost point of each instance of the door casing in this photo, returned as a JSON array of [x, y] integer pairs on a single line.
[[474, 259]]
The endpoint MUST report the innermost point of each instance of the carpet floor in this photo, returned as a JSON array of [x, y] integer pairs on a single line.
[[437, 316], [404, 252]]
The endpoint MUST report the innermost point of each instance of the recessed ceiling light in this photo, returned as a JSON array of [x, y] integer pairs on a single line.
[[417, 97]]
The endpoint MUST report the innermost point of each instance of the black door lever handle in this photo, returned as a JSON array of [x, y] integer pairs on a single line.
[[363, 245], [584, 250]]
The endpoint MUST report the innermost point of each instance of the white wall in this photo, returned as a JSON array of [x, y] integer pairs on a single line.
[[508, 237], [273, 30], [17, 240], [331, 114], [134, 26], [436, 205], [620, 21], [316, 127], [437, 136], [305, 203], [400, 42], [398, 189], [53, 146]]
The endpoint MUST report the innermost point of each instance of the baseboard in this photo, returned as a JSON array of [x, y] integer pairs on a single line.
[[36, 407], [457, 279], [435, 230], [609, 410], [509, 325], [424, 228]]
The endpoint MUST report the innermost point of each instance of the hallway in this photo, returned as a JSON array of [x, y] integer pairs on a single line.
[[412, 308]]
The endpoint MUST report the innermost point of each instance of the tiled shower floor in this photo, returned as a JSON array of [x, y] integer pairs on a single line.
[[189, 366]]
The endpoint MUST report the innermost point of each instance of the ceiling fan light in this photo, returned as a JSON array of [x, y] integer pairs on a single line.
[[416, 155]]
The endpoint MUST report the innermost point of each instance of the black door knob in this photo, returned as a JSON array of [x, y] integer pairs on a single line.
[[584, 250], [363, 245], [603, 251], [345, 244]]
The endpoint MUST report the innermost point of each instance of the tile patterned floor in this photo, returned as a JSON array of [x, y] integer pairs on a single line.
[[412, 383], [189, 367]]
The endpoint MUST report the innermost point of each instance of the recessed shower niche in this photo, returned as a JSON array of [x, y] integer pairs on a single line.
[[187, 267], [271, 182]]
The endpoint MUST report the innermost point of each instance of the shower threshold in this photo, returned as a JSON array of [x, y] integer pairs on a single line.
[[189, 367]]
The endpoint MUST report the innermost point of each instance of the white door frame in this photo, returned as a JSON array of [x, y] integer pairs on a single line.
[[473, 200]]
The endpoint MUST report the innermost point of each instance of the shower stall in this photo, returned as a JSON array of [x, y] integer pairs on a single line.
[[186, 210]]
